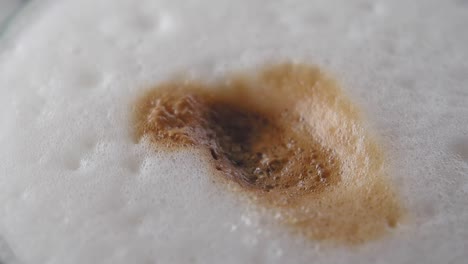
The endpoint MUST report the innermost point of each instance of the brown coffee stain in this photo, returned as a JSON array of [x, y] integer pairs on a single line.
[[290, 139]]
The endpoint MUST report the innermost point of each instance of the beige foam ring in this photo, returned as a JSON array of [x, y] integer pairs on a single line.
[[289, 138]]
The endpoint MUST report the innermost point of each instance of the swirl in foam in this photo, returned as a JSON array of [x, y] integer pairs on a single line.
[[289, 138]]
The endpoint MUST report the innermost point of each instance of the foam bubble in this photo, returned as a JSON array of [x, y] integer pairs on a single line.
[[119, 202]]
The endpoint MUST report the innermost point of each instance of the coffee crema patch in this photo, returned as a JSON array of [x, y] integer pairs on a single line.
[[289, 138]]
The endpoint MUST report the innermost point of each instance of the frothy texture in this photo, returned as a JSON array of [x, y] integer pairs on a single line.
[[76, 187], [273, 135]]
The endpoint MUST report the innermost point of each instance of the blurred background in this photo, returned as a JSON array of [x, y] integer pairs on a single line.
[[8, 8]]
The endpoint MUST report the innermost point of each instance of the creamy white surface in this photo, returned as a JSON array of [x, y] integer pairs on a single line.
[[75, 189]]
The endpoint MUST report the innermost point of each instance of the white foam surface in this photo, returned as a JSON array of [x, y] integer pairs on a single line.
[[74, 188]]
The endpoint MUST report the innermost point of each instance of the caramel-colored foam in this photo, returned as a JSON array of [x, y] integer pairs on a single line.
[[290, 139]]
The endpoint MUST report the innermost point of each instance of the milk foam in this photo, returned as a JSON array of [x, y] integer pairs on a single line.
[[75, 188]]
